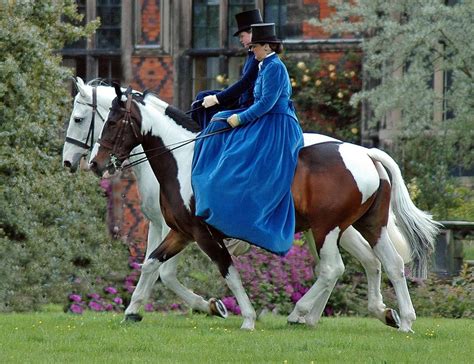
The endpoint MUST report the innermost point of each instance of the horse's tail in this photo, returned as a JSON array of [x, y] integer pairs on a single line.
[[417, 226]]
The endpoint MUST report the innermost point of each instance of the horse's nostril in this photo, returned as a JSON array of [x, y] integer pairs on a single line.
[[67, 164]]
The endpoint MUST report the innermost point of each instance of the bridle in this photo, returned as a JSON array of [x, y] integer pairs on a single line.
[[119, 136], [90, 133]]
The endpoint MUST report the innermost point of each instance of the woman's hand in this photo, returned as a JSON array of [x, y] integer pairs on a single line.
[[209, 101], [233, 120]]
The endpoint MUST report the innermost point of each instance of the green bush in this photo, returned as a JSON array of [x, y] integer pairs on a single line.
[[322, 91], [52, 226]]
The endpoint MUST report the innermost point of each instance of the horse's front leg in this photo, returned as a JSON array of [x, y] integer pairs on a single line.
[[147, 278], [216, 250], [310, 307]]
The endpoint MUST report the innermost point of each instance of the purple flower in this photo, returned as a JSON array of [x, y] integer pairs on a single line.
[[95, 306], [175, 306], [295, 297], [135, 265], [75, 298], [231, 304], [110, 290], [149, 307], [75, 308], [94, 296], [118, 300], [109, 307]]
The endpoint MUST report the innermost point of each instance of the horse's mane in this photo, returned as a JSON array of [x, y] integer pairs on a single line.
[[174, 113]]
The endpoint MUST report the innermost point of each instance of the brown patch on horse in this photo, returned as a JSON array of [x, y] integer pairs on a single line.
[[320, 176], [172, 245]]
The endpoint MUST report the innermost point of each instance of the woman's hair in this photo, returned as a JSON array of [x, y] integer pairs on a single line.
[[276, 47]]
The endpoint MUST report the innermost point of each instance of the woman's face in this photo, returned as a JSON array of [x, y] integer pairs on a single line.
[[260, 51]]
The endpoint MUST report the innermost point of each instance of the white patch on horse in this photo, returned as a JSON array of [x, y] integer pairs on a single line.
[[155, 121], [312, 138], [362, 168]]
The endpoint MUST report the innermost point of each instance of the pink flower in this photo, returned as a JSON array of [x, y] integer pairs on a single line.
[[110, 290], [296, 296], [135, 265], [118, 300], [95, 306], [75, 298], [94, 296], [75, 308], [109, 307], [149, 307]]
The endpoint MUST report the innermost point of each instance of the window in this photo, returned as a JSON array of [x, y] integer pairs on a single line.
[[206, 24], [108, 35], [101, 57], [288, 16]]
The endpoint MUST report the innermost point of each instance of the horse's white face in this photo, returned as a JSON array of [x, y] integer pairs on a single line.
[[79, 136]]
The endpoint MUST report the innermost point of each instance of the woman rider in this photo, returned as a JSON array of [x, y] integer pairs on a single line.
[[240, 94], [242, 178]]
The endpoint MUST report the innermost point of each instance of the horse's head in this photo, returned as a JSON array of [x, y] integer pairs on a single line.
[[85, 123], [120, 134]]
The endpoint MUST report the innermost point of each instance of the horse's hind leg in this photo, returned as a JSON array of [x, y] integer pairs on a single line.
[[310, 307], [393, 264], [353, 242], [220, 255]]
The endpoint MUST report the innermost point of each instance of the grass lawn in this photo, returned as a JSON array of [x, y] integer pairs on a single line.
[[55, 337]]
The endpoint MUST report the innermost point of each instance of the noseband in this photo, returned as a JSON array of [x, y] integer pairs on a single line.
[[90, 133]]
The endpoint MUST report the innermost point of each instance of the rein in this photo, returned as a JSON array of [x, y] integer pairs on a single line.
[[178, 145], [90, 133]]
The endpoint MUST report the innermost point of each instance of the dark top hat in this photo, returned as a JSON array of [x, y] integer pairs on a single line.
[[264, 33], [245, 20]]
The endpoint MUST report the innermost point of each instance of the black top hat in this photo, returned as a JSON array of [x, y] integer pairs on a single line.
[[245, 20], [264, 33]]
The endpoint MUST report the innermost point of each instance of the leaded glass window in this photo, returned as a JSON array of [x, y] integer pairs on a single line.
[[206, 70], [108, 35], [289, 16], [206, 23]]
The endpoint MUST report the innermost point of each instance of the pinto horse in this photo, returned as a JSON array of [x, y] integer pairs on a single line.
[[83, 131], [336, 185]]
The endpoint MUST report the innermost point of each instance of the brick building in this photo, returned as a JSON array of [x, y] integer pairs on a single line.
[[176, 48]]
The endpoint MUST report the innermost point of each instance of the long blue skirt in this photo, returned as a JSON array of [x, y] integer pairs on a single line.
[[242, 179]]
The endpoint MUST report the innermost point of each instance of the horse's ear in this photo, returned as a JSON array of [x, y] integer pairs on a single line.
[[129, 90], [80, 86], [118, 90]]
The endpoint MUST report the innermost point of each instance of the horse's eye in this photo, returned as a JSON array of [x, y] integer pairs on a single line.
[[78, 120]]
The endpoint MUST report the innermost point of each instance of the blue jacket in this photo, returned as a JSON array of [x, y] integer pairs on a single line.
[[272, 92], [242, 89]]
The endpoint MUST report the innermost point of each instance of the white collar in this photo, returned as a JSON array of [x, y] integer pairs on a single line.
[[260, 63]]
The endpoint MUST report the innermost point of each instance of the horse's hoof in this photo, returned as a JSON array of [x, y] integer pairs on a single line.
[[392, 318], [217, 308], [132, 317], [299, 320]]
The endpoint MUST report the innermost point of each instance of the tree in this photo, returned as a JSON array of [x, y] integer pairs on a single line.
[[407, 44], [52, 228]]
